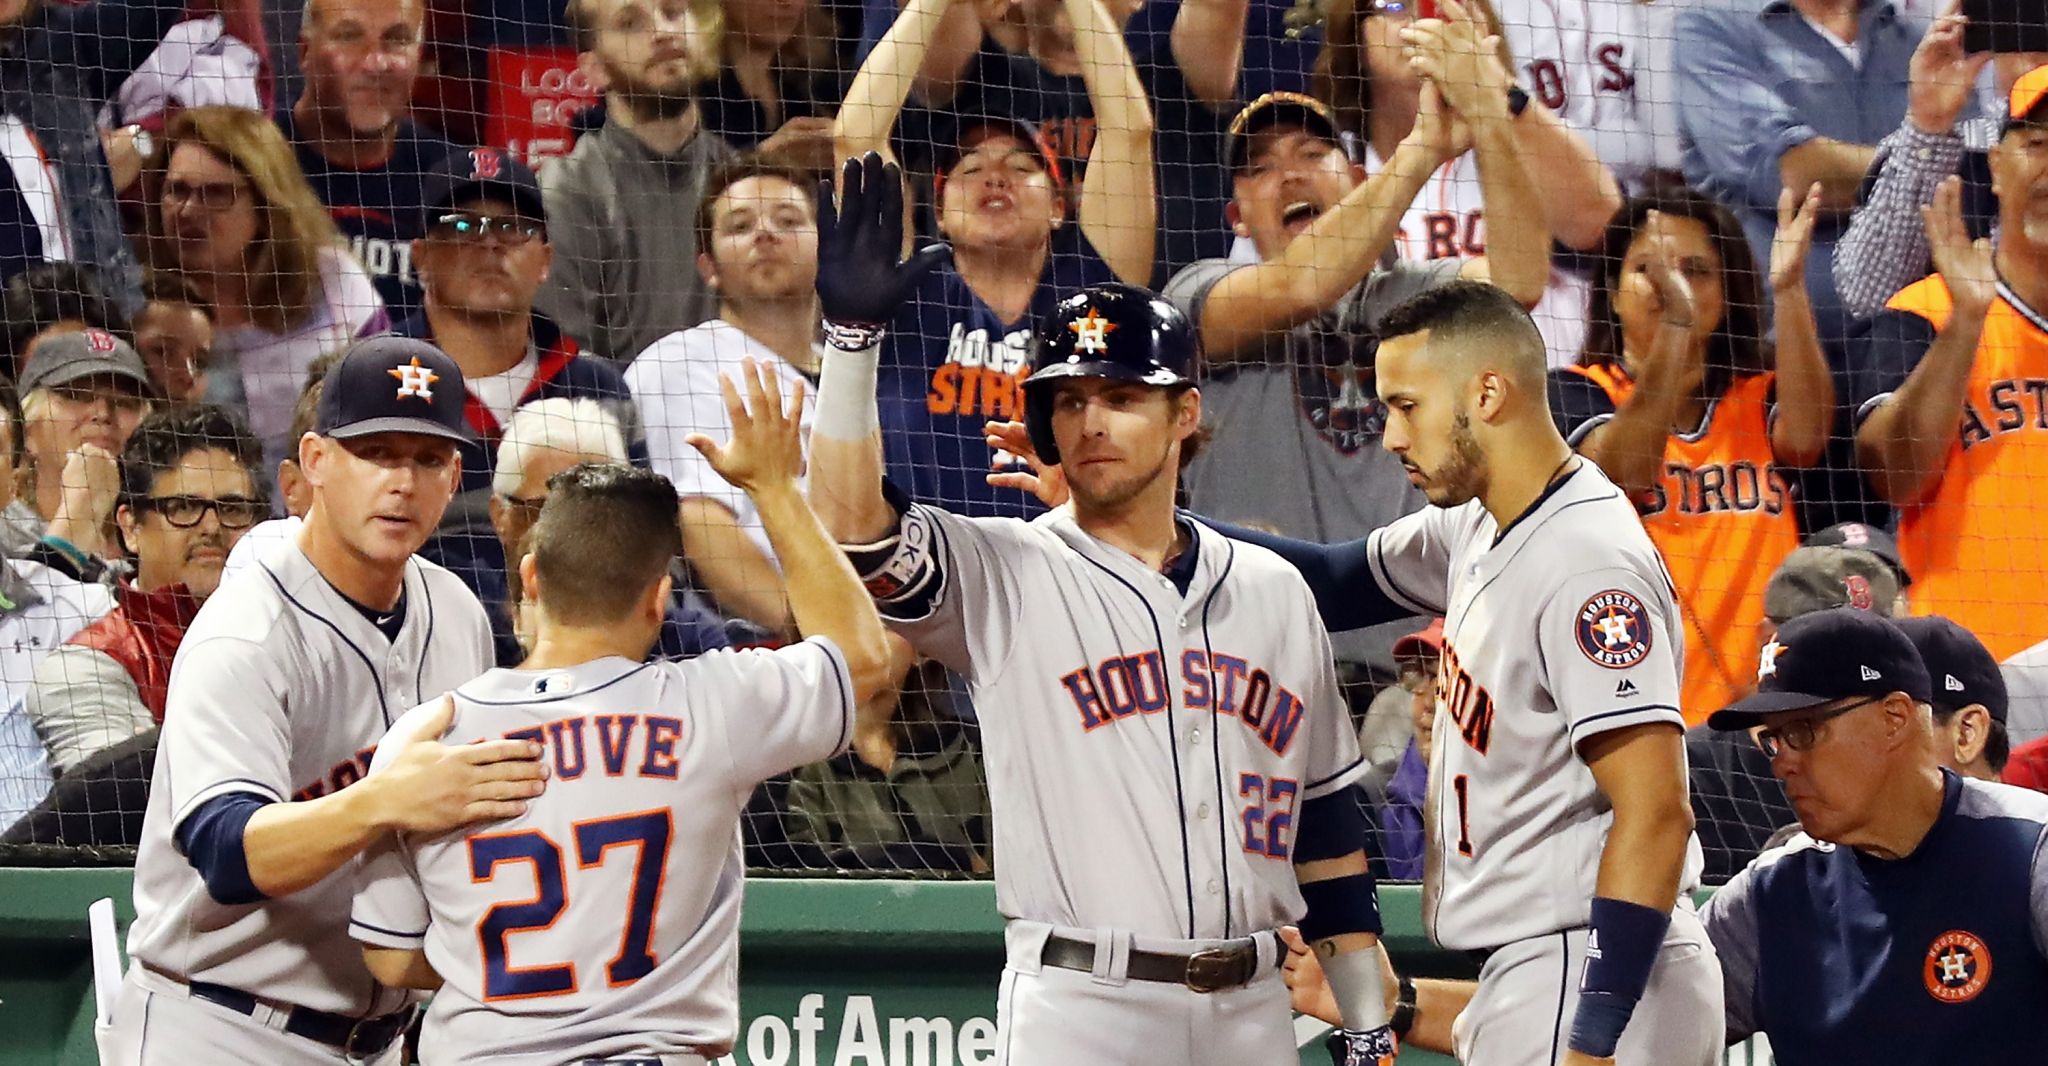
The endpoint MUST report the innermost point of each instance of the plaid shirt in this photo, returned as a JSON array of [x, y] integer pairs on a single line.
[[1885, 248]]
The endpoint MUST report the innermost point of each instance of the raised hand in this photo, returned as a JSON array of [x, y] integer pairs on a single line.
[[767, 448], [432, 787], [1463, 60], [1674, 293], [862, 277], [1967, 266], [1048, 483], [1941, 76], [1438, 128], [1794, 239]]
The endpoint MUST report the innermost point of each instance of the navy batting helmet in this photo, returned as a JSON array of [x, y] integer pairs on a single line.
[[1112, 331]]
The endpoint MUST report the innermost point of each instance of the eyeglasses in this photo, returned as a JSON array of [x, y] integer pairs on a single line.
[[1396, 8], [529, 505], [184, 512], [1802, 734], [470, 226], [205, 195]]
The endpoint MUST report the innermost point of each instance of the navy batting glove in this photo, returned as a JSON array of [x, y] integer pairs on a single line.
[[861, 282]]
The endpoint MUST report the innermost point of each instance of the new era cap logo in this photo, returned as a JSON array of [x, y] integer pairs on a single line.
[[1869, 674], [1949, 682], [415, 380]]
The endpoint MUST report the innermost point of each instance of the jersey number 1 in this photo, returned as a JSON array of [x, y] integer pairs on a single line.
[[647, 832]]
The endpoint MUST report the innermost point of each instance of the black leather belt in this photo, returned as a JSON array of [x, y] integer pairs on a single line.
[[1210, 970], [358, 1037]]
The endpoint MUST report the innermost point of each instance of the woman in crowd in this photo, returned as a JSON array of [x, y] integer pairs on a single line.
[[1679, 400], [781, 77], [82, 394], [1363, 73], [231, 211]]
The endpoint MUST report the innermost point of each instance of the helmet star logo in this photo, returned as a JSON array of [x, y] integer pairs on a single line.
[[1093, 331], [415, 380]]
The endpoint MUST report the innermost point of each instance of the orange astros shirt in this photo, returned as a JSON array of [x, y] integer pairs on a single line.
[[1976, 547], [1723, 519]]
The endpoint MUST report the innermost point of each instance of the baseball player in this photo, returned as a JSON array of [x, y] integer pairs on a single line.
[[288, 676], [1170, 762], [1560, 832], [603, 924]]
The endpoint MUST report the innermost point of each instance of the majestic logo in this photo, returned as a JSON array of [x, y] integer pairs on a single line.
[[1093, 331], [1767, 663], [1626, 688], [1614, 629], [415, 380], [1957, 967]]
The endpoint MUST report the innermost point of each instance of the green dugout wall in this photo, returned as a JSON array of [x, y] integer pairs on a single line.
[[833, 973]]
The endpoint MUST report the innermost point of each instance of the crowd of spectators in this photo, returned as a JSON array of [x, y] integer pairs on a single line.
[[1790, 259]]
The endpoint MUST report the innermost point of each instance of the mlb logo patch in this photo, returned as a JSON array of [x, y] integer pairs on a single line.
[[1614, 629]]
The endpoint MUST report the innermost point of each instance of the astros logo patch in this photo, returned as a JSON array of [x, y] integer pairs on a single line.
[[1958, 967], [1614, 629]]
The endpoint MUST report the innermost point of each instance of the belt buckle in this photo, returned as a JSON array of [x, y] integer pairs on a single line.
[[1212, 970]]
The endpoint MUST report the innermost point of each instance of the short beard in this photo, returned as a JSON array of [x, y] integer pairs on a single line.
[[649, 103], [1462, 478], [1117, 495]]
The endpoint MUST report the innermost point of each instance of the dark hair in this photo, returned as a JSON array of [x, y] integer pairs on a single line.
[[607, 533], [163, 286], [1736, 349], [306, 409], [46, 294], [1997, 741], [1460, 308], [734, 171], [164, 438]]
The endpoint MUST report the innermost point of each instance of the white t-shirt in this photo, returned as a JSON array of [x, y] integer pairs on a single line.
[[262, 372], [675, 384], [501, 393]]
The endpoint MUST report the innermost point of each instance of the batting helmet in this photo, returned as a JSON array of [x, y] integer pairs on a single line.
[[1112, 331]]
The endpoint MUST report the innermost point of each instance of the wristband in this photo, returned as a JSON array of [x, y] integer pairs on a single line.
[[1518, 101], [1403, 1018], [854, 336], [1621, 950]]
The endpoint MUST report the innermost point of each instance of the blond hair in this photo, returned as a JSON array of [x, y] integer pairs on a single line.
[[283, 261]]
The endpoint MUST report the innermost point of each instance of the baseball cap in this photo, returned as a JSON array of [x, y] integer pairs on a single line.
[[974, 129], [2024, 104], [1836, 654], [62, 358], [1960, 669], [477, 172], [1815, 579], [1426, 641], [1867, 538], [391, 384], [1271, 110]]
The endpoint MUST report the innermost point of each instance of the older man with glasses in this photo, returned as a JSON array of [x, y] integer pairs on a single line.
[[188, 492], [1907, 924]]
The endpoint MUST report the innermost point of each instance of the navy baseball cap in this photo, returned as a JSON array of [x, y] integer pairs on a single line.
[[974, 129], [1960, 669], [1837, 654], [1864, 537], [391, 384], [1273, 109], [477, 172]]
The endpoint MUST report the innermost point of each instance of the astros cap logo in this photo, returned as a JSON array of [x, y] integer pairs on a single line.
[[1093, 331], [414, 380], [1767, 663]]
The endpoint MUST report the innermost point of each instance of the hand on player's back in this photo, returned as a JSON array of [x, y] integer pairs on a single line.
[[432, 787], [1048, 483], [767, 449]]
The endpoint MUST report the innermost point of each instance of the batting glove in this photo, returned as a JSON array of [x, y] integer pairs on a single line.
[[861, 283], [1373, 1047]]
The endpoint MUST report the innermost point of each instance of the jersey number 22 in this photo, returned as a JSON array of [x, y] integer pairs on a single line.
[[646, 832]]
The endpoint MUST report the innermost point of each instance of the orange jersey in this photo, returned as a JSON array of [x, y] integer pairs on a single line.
[[1722, 516], [1976, 547]]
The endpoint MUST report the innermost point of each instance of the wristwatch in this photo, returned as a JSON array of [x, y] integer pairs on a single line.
[[1518, 101], [1403, 1017]]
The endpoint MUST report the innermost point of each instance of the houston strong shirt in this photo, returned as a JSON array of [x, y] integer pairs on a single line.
[[604, 921], [1558, 628]]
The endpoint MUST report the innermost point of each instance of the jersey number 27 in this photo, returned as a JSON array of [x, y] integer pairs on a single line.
[[646, 832]]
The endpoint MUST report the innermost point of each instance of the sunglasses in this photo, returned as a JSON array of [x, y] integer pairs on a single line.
[[470, 226], [184, 512]]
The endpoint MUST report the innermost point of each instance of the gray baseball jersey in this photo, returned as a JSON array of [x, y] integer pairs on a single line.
[[1147, 749], [1558, 628], [605, 920], [282, 688]]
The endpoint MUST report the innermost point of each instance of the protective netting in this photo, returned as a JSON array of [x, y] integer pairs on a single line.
[[202, 204]]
